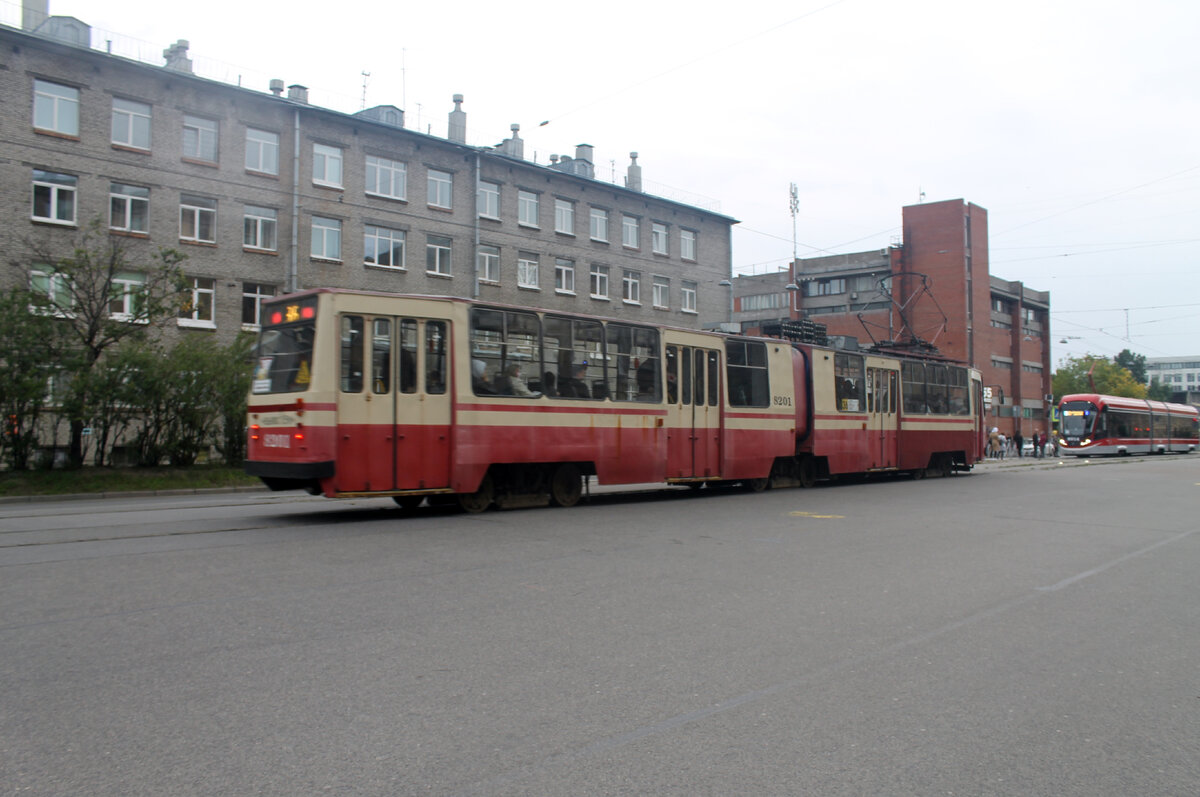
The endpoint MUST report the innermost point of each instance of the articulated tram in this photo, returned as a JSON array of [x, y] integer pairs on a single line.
[[415, 397], [1092, 425]]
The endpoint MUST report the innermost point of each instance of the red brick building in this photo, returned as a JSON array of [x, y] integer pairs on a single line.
[[932, 291]]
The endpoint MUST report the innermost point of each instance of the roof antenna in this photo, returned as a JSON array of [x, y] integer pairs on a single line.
[[365, 75]]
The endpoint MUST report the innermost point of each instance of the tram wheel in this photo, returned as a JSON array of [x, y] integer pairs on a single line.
[[756, 485], [944, 466], [808, 472], [479, 500], [566, 485], [408, 502]]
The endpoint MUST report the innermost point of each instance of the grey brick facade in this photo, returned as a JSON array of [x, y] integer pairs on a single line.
[[325, 177]]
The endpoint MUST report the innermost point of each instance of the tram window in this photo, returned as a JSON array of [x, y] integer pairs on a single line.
[[937, 392], [849, 382], [714, 379], [914, 387], [435, 357], [381, 355], [672, 375], [501, 340], [408, 356], [746, 373], [628, 347], [685, 379], [959, 401], [574, 356], [352, 354]]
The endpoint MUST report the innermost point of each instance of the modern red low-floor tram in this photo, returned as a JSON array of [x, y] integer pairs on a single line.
[[1091, 424], [371, 394]]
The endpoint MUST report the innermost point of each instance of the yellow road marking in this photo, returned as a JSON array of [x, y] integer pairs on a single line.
[[820, 517]]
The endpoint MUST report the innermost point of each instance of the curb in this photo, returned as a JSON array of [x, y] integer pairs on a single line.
[[42, 499]]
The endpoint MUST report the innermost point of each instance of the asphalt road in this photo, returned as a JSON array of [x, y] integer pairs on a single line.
[[1022, 630]]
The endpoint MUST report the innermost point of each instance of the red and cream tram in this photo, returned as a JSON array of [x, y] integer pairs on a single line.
[[1091, 424], [363, 394]]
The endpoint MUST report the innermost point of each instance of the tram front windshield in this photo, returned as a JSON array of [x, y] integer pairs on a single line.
[[284, 358], [1078, 418]]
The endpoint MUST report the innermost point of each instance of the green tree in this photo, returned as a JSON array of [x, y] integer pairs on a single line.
[[1134, 363], [1106, 375], [29, 344], [102, 295], [1158, 390]]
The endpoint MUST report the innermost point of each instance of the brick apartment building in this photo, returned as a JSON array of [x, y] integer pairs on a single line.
[[934, 288], [266, 193]]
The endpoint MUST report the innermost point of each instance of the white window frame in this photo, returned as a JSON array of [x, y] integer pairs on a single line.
[[528, 207], [598, 224], [129, 198], [631, 287], [55, 108], [631, 232], [198, 312], [55, 288], [439, 189], [199, 210], [326, 241], [377, 239], [564, 276], [487, 200], [327, 165], [125, 288], [260, 226], [205, 134], [687, 244], [487, 260], [598, 281], [57, 188], [387, 178], [527, 271], [564, 216], [661, 293], [687, 297], [131, 124], [259, 292], [438, 254], [659, 238], [262, 151]]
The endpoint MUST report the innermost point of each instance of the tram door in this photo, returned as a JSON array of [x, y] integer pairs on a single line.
[[422, 414], [693, 412], [882, 418]]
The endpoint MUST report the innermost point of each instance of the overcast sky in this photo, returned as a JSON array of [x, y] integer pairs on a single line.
[[1073, 122]]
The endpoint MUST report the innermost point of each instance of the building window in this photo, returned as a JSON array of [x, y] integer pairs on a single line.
[[126, 296], [130, 124], [687, 244], [197, 219], [262, 151], [599, 281], [197, 310], [630, 231], [527, 208], [327, 166], [53, 289], [687, 297], [631, 287], [54, 197], [253, 296], [527, 270], [326, 238], [662, 293], [129, 208], [387, 178], [658, 238], [598, 224], [258, 225], [383, 247], [487, 259], [487, 201], [440, 189], [564, 275], [564, 216], [437, 255], [199, 139], [829, 287], [55, 108]]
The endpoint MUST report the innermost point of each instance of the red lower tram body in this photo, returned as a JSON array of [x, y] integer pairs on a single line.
[[705, 408]]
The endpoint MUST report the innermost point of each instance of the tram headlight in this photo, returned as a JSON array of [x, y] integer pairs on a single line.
[[1085, 441]]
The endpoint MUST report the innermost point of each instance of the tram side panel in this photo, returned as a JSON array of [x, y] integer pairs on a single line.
[[767, 406]]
